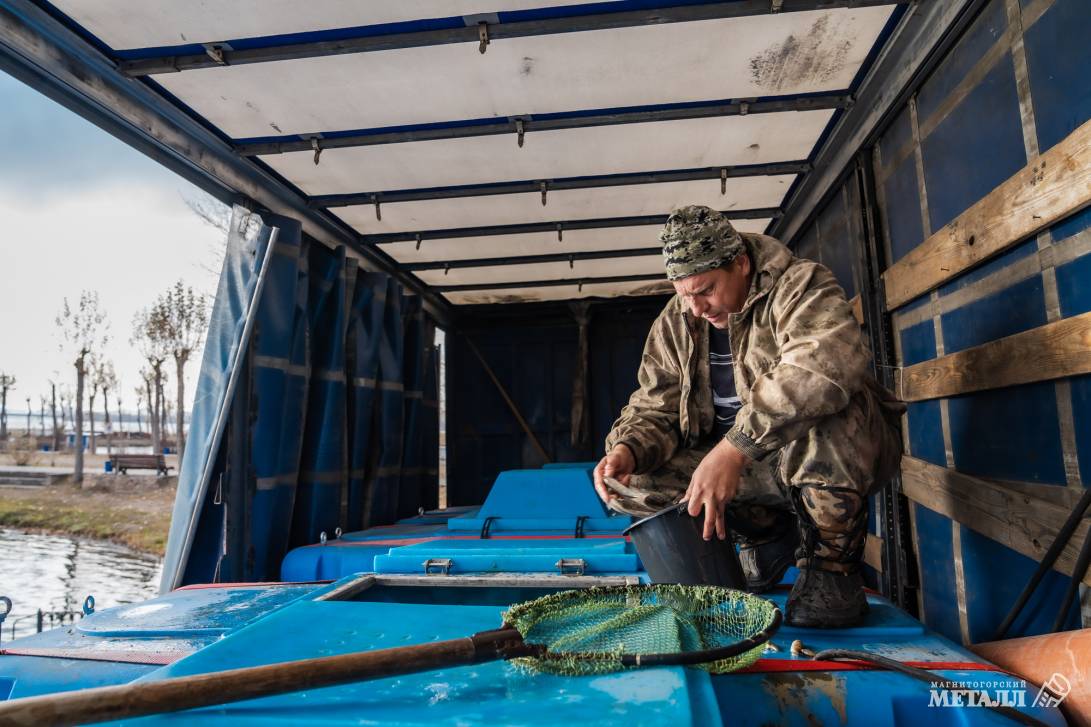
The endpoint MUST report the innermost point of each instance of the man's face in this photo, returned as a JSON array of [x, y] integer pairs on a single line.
[[715, 294]]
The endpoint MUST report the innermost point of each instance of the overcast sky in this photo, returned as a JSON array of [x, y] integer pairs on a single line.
[[81, 210]]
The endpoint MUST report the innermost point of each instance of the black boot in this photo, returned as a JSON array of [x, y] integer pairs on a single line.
[[829, 592], [823, 599], [768, 540], [765, 563]]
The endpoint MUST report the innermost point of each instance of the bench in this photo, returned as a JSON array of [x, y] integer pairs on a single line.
[[124, 462]]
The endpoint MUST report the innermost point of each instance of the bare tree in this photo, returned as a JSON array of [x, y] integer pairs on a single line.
[[83, 329], [149, 336], [120, 426], [66, 407], [94, 375], [139, 391], [217, 215], [7, 382], [184, 319], [41, 415], [53, 411], [106, 379], [30, 411]]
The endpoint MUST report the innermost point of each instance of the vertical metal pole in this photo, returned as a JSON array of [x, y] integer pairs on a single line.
[[41, 621], [899, 577], [237, 473]]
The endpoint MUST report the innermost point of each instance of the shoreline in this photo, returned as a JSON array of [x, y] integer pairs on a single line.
[[133, 511]]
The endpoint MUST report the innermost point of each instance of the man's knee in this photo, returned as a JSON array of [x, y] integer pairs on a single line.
[[842, 451]]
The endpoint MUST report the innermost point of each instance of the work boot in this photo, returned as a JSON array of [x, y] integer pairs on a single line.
[[822, 599], [765, 563]]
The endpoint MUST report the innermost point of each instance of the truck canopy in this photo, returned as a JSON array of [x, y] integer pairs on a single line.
[[501, 170]]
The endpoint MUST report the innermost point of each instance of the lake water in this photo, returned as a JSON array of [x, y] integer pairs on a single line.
[[56, 573]]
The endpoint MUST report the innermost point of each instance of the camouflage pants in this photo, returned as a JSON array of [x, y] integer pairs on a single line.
[[823, 477]]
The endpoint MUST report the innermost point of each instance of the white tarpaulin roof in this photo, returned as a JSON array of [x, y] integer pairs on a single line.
[[438, 185]]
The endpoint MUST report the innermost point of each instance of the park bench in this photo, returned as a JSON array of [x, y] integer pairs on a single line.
[[123, 462]]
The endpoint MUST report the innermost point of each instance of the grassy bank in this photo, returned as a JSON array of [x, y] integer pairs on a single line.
[[132, 511]]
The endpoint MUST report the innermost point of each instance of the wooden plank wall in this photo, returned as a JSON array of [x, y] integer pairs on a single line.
[[983, 187], [982, 184]]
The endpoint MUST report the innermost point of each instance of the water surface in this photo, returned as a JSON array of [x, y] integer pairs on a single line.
[[56, 573]]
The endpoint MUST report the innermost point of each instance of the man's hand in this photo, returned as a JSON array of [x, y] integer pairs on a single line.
[[714, 484], [619, 464]]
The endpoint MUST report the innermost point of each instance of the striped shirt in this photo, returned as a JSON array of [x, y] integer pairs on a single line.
[[725, 398]]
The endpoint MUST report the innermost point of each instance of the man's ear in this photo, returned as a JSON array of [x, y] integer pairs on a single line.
[[743, 261]]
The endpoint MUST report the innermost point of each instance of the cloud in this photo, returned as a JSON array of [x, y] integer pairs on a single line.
[[80, 209], [127, 241], [49, 150]]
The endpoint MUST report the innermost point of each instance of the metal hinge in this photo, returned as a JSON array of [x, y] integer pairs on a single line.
[[215, 51], [438, 566], [571, 566], [482, 37]]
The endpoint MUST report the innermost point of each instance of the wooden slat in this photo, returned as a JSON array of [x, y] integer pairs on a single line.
[[1051, 187], [1022, 522], [873, 552], [857, 309], [1052, 351]]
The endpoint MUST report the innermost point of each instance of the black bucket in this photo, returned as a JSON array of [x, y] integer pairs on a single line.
[[671, 546]]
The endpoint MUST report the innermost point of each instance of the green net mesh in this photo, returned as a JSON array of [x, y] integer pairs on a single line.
[[588, 631]]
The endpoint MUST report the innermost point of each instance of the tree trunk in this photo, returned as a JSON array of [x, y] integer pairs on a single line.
[[120, 428], [30, 411], [91, 416], [53, 409], [160, 413], [106, 421], [153, 423], [180, 409], [164, 432], [3, 414], [80, 372]]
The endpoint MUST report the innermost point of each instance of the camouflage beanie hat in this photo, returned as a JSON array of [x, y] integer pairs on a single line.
[[697, 239]]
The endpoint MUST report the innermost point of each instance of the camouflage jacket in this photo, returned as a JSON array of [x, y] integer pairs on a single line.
[[798, 352]]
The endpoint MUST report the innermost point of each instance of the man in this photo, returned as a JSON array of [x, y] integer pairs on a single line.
[[755, 400]]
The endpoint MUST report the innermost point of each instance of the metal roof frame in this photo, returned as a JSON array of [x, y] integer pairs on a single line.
[[579, 282], [518, 126], [37, 49], [488, 262], [545, 186], [40, 49], [479, 29], [560, 226]]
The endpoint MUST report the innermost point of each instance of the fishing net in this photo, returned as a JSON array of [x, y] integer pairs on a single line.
[[605, 629]]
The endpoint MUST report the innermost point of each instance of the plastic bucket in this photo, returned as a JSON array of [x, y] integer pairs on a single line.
[[672, 550]]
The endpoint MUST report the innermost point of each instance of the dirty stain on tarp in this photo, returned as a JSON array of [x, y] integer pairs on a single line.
[[814, 58]]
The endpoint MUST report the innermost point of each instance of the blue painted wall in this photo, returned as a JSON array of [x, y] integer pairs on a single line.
[[969, 138], [534, 355]]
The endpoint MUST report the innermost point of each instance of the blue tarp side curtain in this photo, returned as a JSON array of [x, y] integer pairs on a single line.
[[333, 424], [240, 281]]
